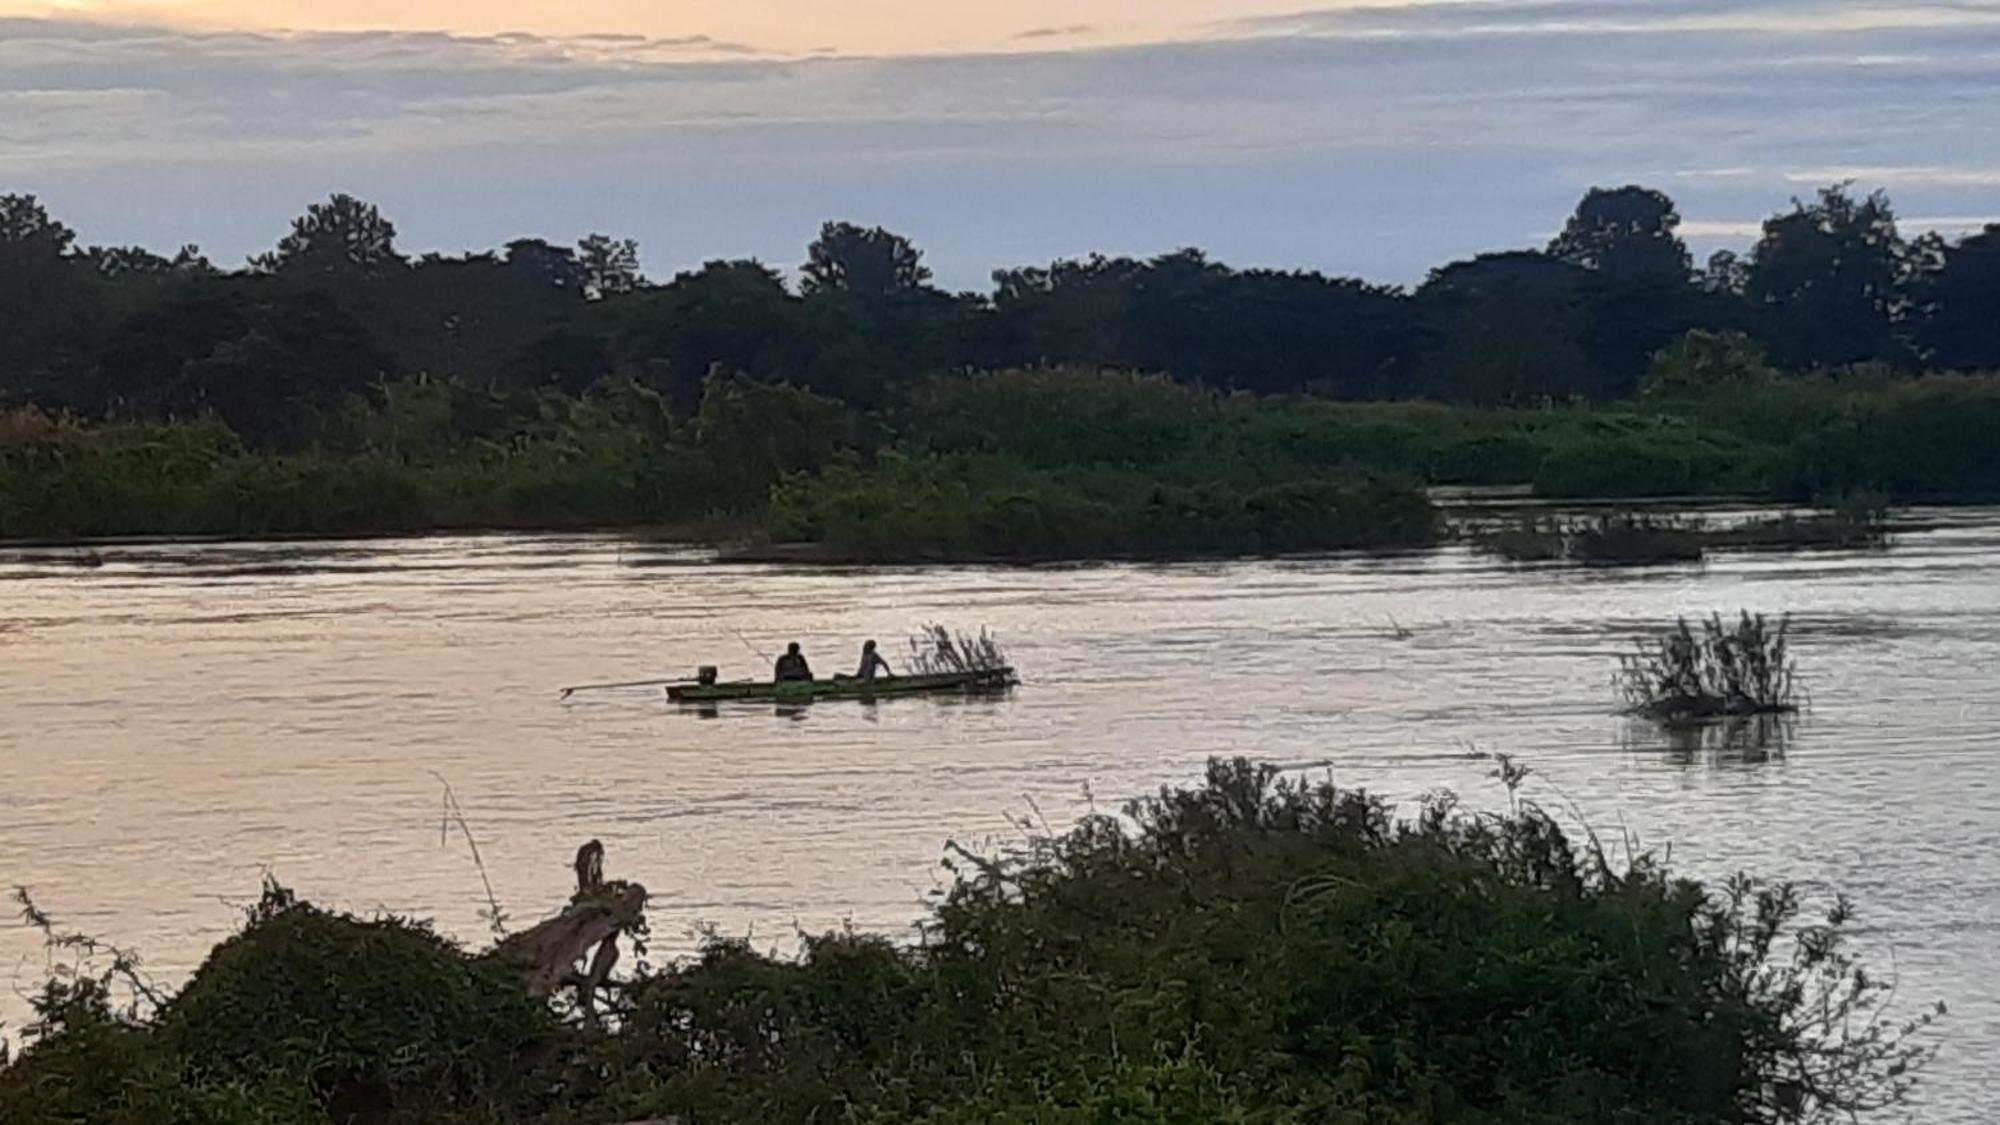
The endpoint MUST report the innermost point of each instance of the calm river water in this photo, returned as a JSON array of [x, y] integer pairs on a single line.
[[183, 718]]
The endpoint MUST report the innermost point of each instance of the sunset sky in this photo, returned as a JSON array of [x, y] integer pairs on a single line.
[[1376, 139]]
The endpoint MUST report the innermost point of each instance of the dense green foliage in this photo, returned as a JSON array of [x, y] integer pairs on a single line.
[[1011, 464], [1250, 950], [336, 384]]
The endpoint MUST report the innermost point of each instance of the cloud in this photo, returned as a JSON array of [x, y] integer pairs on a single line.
[[1498, 18], [1064, 32], [1377, 139], [1748, 230], [1889, 176]]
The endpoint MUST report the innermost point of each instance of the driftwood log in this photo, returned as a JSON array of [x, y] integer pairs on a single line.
[[578, 948]]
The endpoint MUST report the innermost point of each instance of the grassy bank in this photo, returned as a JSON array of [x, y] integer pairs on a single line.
[[1043, 464], [1246, 950]]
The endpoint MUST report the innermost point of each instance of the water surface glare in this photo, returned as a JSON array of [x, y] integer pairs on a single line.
[[182, 718]]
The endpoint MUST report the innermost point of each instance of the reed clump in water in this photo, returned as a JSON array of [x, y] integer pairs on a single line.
[[936, 651], [1720, 671]]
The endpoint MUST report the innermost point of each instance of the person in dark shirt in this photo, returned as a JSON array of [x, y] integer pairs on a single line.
[[792, 666]]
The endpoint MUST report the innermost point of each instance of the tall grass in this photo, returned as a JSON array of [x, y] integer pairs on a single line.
[[1720, 670], [1011, 464]]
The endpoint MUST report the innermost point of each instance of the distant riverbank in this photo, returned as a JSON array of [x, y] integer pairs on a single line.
[[1018, 466]]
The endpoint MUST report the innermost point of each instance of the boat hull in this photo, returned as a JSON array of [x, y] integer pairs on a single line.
[[842, 687]]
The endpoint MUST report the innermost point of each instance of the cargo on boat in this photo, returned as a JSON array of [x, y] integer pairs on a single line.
[[971, 680]]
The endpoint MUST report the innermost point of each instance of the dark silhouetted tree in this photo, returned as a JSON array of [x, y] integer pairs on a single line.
[[608, 265], [264, 360], [1510, 328], [1727, 273], [1070, 311], [1960, 304], [1825, 278], [863, 261], [138, 366], [27, 230], [732, 316], [300, 354], [465, 317], [126, 261], [1627, 234], [341, 237], [46, 308], [546, 264], [570, 360]]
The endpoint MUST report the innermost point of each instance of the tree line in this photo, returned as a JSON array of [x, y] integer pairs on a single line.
[[338, 310]]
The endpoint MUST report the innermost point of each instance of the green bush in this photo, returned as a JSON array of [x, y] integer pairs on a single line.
[[1644, 465], [359, 1017], [1252, 949], [1704, 363], [1260, 950]]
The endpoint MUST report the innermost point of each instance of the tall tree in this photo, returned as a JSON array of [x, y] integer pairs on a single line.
[[1510, 329], [1961, 305], [27, 230], [1626, 234], [265, 361], [126, 261], [864, 261], [730, 316], [1727, 273], [342, 237], [45, 303], [1825, 278], [608, 265], [546, 264], [468, 316], [1069, 311]]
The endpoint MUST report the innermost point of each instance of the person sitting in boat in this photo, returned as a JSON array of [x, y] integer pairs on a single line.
[[871, 663], [792, 666]]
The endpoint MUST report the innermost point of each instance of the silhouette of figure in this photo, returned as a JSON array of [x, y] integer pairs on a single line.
[[589, 867], [792, 666]]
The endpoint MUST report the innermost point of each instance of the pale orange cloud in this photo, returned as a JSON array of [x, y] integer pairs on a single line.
[[789, 26]]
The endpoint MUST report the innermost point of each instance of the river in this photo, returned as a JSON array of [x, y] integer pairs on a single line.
[[181, 719]]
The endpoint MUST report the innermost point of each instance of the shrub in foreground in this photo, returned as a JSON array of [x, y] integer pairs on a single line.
[[1252, 949]]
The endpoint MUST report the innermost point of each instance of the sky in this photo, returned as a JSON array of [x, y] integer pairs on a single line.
[[1375, 139]]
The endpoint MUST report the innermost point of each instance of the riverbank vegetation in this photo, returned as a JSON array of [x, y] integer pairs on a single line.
[[1170, 405], [1628, 538], [1250, 949]]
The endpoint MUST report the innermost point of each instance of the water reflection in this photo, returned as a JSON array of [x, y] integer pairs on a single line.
[[1738, 740]]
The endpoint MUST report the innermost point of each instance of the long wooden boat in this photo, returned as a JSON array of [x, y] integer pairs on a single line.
[[844, 687]]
